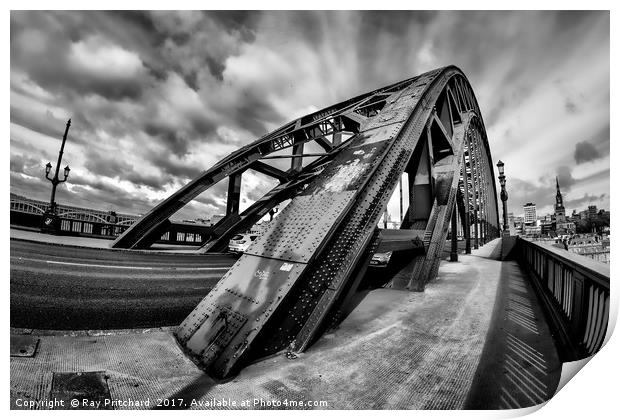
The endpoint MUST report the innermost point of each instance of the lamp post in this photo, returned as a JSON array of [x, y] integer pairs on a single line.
[[503, 194], [51, 221]]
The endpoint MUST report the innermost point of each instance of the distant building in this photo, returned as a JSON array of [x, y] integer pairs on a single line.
[[531, 230], [560, 212], [198, 221], [518, 224], [529, 213], [546, 226], [548, 218], [216, 218], [592, 211], [591, 246], [563, 228]]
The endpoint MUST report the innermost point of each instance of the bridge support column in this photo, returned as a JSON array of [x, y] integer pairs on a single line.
[[453, 242], [464, 216], [476, 223], [234, 194], [465, 202], [475, 193], [297, 161]]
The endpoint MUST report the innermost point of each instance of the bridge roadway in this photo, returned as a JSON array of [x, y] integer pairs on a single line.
[[65, 287], [475, 338]]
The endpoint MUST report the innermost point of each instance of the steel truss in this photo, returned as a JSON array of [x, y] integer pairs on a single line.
[[292, 281]]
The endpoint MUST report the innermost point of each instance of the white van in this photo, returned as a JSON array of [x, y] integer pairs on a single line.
[[240, 243]]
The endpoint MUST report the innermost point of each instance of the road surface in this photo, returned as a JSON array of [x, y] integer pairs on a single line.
[[64, 287]]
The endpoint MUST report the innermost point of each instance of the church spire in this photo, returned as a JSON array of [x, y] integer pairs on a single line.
[[559, 202]]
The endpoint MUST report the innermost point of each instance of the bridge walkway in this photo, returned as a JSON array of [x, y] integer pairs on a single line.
[[520, 366], [468, 339]]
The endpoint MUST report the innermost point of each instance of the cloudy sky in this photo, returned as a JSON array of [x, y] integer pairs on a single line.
[[157, 97]]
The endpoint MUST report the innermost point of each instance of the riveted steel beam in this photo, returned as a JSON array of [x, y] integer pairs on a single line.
[[466, 206], [285, 289], [269, 170], [310, 128], [233, 197]]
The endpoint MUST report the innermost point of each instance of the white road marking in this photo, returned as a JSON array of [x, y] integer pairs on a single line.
[[125, 267], [137, 268]]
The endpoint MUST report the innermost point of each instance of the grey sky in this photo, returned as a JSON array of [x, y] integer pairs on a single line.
[[155, 98]]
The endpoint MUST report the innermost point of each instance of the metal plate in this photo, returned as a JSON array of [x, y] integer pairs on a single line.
[[299, 230], [377, 135], [89, 389], [250, 293], [24, 345], [393, 116], [350, 169], [212, 331]]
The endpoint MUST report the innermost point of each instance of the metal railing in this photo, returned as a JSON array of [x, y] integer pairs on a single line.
[[575, 293]]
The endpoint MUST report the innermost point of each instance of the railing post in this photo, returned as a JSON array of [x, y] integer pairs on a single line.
[[545, 272], [577, 315]]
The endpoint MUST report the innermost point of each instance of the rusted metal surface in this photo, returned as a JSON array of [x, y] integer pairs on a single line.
[[81, 390], [23, 345]]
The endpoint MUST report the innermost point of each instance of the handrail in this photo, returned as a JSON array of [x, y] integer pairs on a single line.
[[600, 272], [575, 293]]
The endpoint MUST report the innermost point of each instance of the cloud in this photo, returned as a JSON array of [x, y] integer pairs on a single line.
[[157, 97], [543, 191], [585, 152], [522, 191], [26, 165], [570, 106], [585, 200], [565, 178]]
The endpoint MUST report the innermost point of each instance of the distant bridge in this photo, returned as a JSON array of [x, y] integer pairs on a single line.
[[79, 221]]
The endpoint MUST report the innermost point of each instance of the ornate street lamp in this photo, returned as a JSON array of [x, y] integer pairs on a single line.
[[503, 193], [51, 221]]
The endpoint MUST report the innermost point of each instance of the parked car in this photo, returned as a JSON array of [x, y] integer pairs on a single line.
[[240, 243], [381, 259]]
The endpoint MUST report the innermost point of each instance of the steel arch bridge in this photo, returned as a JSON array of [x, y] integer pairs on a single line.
[[295, 277]]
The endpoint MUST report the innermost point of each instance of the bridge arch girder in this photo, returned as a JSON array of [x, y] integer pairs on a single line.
[[280, 293], [326, 128], [89, 217]]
